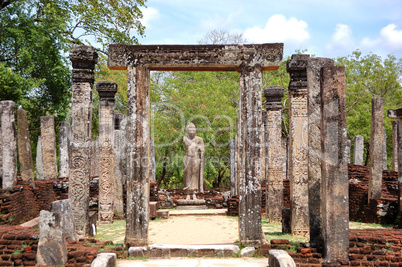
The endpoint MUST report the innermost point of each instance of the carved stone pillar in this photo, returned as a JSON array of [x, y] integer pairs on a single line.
[[83, 59], [334, 168], [106, 91], [298, 145], [24, 148], [314, 66], [376, 149], [138, 152], [275, 154], [250, 163]]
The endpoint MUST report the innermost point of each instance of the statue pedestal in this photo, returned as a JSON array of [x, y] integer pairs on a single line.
[[191, 204]]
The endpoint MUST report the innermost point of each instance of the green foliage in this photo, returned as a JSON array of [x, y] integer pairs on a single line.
[[209, 100], [367, 77], [35, 36]]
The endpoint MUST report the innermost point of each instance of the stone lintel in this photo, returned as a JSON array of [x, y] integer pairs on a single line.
[[195, 57], [394, 113], [273, 95], [106, 90]]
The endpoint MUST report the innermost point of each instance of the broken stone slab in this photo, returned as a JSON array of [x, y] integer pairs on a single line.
[[104, 260], [52, 248], [64, 207], [173, 251], [280, 258], [247, 252]]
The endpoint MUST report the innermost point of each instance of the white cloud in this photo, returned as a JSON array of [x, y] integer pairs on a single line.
[[149, 14], [279, 29], [391, 36], [389, 39], [341, 41]]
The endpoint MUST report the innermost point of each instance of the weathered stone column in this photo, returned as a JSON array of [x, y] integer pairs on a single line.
[[138, 161], [24, 148], [358, 151], [335, 188], [395, 126], [64, 136], [298, 144], [348, 149], [275, 156], [1, 151], [384, 149], [152, 158], [49, 154], [397, 114], [250, 140], [233, 169], [39, 160], [119, 147], [83, 59], [9, 144], [314, 66], [106, 91], [376, 149], [94, 157]]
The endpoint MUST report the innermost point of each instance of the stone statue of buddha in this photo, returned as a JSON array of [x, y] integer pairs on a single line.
[[193, 163]]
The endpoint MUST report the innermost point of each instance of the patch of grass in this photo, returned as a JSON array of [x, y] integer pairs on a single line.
[[274, 231], [360, 225], [136, 258]]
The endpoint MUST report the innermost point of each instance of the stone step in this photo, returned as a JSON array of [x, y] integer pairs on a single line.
[[197, 212], [179, 251]]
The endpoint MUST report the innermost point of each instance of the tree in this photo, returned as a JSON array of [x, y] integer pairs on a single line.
[[35, 36], [367, 77]]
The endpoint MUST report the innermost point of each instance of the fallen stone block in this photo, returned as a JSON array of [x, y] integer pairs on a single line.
[[247, 252], [104, 260], [162, 214], [280, 258], [137, 252]]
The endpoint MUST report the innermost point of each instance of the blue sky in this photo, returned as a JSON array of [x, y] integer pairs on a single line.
[[331, 28]]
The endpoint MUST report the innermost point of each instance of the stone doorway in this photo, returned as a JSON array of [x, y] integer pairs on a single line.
[[250, 61]]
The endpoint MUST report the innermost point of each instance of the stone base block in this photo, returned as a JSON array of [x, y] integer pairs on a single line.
[[200, 207], [175, 251], [247, 252], [152, 209], [190, 202], [137, 251], [104, 260], [162, 214], [278, 258]]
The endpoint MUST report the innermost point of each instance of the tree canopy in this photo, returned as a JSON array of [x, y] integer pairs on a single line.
[[35, 37]]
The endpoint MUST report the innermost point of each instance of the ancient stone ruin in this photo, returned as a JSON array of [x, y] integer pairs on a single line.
[[313, 200]]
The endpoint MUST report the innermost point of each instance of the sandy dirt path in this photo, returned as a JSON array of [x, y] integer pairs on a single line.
[[194, 230]]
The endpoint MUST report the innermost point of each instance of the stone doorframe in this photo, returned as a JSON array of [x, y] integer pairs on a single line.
[[250, 61]]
